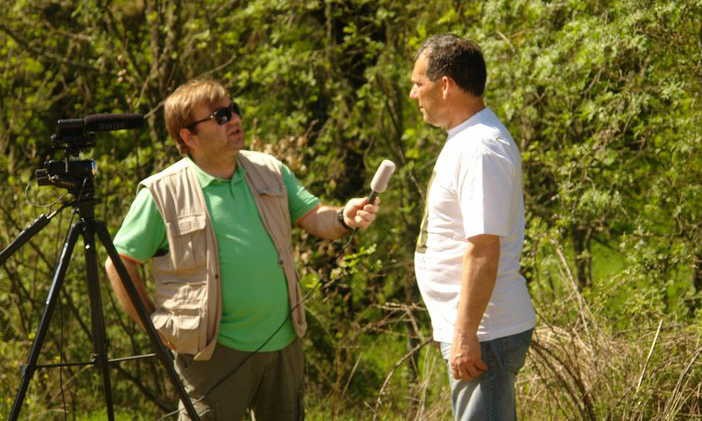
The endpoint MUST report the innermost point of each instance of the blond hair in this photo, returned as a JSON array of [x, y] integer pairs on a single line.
[[179, 106]]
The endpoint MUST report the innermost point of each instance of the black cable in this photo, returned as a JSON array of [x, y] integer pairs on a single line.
[[61, 320], [60, 350], [61, 327], [27, 197], [60, 304], [248, 357]]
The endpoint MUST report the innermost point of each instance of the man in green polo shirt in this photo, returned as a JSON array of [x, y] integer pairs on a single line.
[[216, 228]]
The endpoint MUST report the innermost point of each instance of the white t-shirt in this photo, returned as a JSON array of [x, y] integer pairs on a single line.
[[475, 188]]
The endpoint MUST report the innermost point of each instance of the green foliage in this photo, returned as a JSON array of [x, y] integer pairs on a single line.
[[601, 96]]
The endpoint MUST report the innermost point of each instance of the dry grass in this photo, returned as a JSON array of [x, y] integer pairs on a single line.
[[652, 374], [581, 368]]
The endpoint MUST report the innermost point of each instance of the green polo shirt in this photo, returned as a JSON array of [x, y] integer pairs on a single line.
[[254, 288]]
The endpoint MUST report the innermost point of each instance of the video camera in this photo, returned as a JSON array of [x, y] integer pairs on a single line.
[[74, 135]]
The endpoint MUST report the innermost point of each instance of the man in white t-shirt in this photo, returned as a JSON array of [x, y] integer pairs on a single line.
[[467, 256]]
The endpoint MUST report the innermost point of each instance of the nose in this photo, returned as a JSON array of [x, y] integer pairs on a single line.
[[413, 92], [236, 119]]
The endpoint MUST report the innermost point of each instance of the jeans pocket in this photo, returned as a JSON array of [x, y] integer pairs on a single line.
[[514, 350]]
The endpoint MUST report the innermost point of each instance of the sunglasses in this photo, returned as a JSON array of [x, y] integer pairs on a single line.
[[220, 115]]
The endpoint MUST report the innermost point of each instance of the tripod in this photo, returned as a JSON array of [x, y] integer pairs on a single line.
[[77, 177]]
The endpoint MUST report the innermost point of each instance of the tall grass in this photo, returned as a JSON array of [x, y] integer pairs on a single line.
[[653, 373], [582, 365]]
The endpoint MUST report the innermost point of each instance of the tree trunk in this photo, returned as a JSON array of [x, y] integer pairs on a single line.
[[583, 256]]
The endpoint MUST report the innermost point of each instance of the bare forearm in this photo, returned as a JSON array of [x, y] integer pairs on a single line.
[[478, 280], [121, 292], [322, 222]]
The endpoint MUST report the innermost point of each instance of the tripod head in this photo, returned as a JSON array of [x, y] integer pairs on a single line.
[[74, 135]]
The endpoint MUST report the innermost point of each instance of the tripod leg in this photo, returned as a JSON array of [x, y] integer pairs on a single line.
[[52, 299], [97, 316], [27, 233], [161, 351]]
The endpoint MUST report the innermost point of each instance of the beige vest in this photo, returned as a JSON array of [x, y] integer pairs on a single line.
[[188, 280]]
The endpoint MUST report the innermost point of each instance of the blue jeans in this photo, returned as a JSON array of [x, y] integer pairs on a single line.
[[490, 397]]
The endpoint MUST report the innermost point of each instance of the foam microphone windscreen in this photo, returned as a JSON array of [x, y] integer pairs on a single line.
[[381, 178]]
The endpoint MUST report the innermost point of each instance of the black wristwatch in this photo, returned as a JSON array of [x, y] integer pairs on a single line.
[[340, 218]]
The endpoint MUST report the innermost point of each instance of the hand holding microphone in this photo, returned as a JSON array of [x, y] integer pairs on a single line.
[[361, 212]]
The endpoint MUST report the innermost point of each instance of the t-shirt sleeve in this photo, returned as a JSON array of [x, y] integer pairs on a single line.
[[300, 201], [143, 233], [485, 188]]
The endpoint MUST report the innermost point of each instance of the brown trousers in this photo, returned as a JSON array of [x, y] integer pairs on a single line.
[[271, 384]]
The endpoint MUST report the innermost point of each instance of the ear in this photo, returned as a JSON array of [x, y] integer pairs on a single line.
[[187, 136], [446, 85]]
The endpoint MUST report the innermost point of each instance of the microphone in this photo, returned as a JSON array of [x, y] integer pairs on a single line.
[[111, 122], [98, 123], [381, 178]]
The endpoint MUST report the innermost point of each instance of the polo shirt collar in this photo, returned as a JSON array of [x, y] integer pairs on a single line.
[[205, 179]]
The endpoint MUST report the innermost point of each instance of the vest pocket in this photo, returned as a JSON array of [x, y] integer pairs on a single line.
[[188, 241], [181, 328]]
